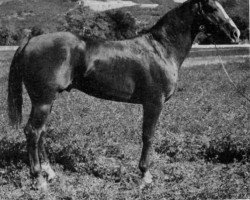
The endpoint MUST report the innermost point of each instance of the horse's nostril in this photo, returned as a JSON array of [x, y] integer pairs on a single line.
[[234, 34]]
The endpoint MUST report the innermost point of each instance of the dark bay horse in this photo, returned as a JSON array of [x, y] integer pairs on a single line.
[[142, 70]]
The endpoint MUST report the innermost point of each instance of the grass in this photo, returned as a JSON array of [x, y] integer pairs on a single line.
[[201, 148]]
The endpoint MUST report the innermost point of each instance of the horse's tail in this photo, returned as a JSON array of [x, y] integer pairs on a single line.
[[15, 99]]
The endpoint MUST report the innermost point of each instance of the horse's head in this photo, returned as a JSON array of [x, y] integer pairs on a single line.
[[213, 18]]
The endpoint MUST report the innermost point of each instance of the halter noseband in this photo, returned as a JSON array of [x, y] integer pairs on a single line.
[[200, 10], [202, 14]]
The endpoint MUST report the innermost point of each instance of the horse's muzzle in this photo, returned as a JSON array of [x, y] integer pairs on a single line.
[[235, 35]]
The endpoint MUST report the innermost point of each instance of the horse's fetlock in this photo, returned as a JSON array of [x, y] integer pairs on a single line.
[[143, 167], [27, 129]]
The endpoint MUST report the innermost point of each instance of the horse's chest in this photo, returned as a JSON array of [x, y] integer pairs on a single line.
[[168, 71]]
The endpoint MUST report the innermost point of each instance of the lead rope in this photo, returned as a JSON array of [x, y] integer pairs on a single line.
[[228, 76], [202, 29]]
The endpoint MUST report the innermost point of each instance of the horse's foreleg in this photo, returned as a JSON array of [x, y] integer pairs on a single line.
[[33, 130], [151, 113]]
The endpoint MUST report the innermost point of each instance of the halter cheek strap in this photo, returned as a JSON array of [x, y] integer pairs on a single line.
[[201, 13], [200, 10]]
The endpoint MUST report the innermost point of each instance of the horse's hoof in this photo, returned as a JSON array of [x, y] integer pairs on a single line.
[[51, 175], [49, 171], [43, 187], [40, 184], [147, 179]]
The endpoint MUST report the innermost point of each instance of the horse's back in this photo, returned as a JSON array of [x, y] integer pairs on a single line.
[[49, 62]]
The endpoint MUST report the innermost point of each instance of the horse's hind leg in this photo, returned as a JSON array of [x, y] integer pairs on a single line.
[[33, 131], [45, 165], [151, 113]]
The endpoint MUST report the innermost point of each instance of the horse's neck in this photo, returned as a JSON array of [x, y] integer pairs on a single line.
[[175, 31]]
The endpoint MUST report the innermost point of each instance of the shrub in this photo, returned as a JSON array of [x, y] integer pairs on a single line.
[[4, 35], [112, 24], [10, 36]]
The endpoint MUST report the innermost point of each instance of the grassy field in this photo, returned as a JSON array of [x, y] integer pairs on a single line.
[[201, 148]]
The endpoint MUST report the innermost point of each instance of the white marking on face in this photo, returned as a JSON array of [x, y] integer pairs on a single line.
[[222, 10], [225, 14], [227, 17]]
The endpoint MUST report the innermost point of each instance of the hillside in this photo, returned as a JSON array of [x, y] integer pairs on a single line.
[[49, 15], [18, 15], [29, 13]]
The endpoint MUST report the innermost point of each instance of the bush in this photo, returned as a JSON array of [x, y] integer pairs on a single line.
[[4, 35], [14, 36], [110, 25], [9, 37]]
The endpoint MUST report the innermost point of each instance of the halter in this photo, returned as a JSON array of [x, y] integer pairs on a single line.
[[202, 14], [200, 10], [202, 28], [228, 76]]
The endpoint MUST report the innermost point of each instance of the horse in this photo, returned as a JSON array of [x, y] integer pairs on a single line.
[[141, 70]]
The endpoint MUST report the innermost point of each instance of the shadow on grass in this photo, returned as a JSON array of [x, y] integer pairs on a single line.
[[226, 151], [71, 155], [12, 152], [74, 159], [223, 151]]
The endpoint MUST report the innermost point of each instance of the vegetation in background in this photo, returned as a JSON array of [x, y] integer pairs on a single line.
[[56, 15], [15, 16], [111, 24]]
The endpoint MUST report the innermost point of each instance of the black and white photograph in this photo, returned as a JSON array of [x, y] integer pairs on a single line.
[[124, 100]]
